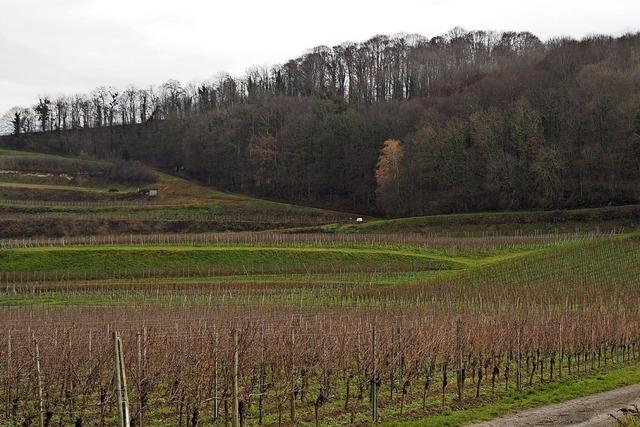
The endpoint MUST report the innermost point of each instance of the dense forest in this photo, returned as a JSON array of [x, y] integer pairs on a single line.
[[400, 125]]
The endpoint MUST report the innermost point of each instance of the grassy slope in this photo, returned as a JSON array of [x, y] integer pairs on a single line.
[[178, 200], [614, 218], [317, 274], [605, 261], [313, 273], [283, 255], [172, 190], [176, 257]]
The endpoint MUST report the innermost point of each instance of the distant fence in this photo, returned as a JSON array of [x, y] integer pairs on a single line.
[[279, 238], [85, 204]]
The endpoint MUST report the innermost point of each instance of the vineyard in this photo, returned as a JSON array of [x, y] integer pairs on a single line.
[[307, 329], [198, 307]]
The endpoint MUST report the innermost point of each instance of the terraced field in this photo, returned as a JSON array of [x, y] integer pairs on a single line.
[[44, 195], [326, 291], [442, 320]]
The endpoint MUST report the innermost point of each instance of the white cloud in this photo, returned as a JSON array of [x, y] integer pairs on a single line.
[[75, 45]]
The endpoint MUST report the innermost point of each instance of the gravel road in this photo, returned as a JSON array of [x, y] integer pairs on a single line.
[[591, 411]]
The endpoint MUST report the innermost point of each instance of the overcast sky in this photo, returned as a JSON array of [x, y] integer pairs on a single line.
[[71, 46]]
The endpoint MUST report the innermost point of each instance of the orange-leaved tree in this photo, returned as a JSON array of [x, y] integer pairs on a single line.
[[388, 175]]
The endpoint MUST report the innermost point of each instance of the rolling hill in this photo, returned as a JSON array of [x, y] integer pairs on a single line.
[[46, 195]]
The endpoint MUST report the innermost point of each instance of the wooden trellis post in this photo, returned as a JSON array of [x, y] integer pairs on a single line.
[[459, 361], [39, 377], [8, 391], [292, 391], [140, 374], [374, 377], [519, 360], [121, 381], [236, 402], [216, 400], [262, 375]]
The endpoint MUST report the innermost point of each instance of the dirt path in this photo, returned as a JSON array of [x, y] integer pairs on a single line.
[[592, 411]]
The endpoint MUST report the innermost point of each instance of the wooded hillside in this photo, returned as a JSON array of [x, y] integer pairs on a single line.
[[477, 121]]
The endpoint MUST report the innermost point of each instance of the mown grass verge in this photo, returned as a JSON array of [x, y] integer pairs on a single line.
[[546, 394]]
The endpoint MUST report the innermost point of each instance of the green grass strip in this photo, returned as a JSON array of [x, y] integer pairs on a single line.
[[547, 394]]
